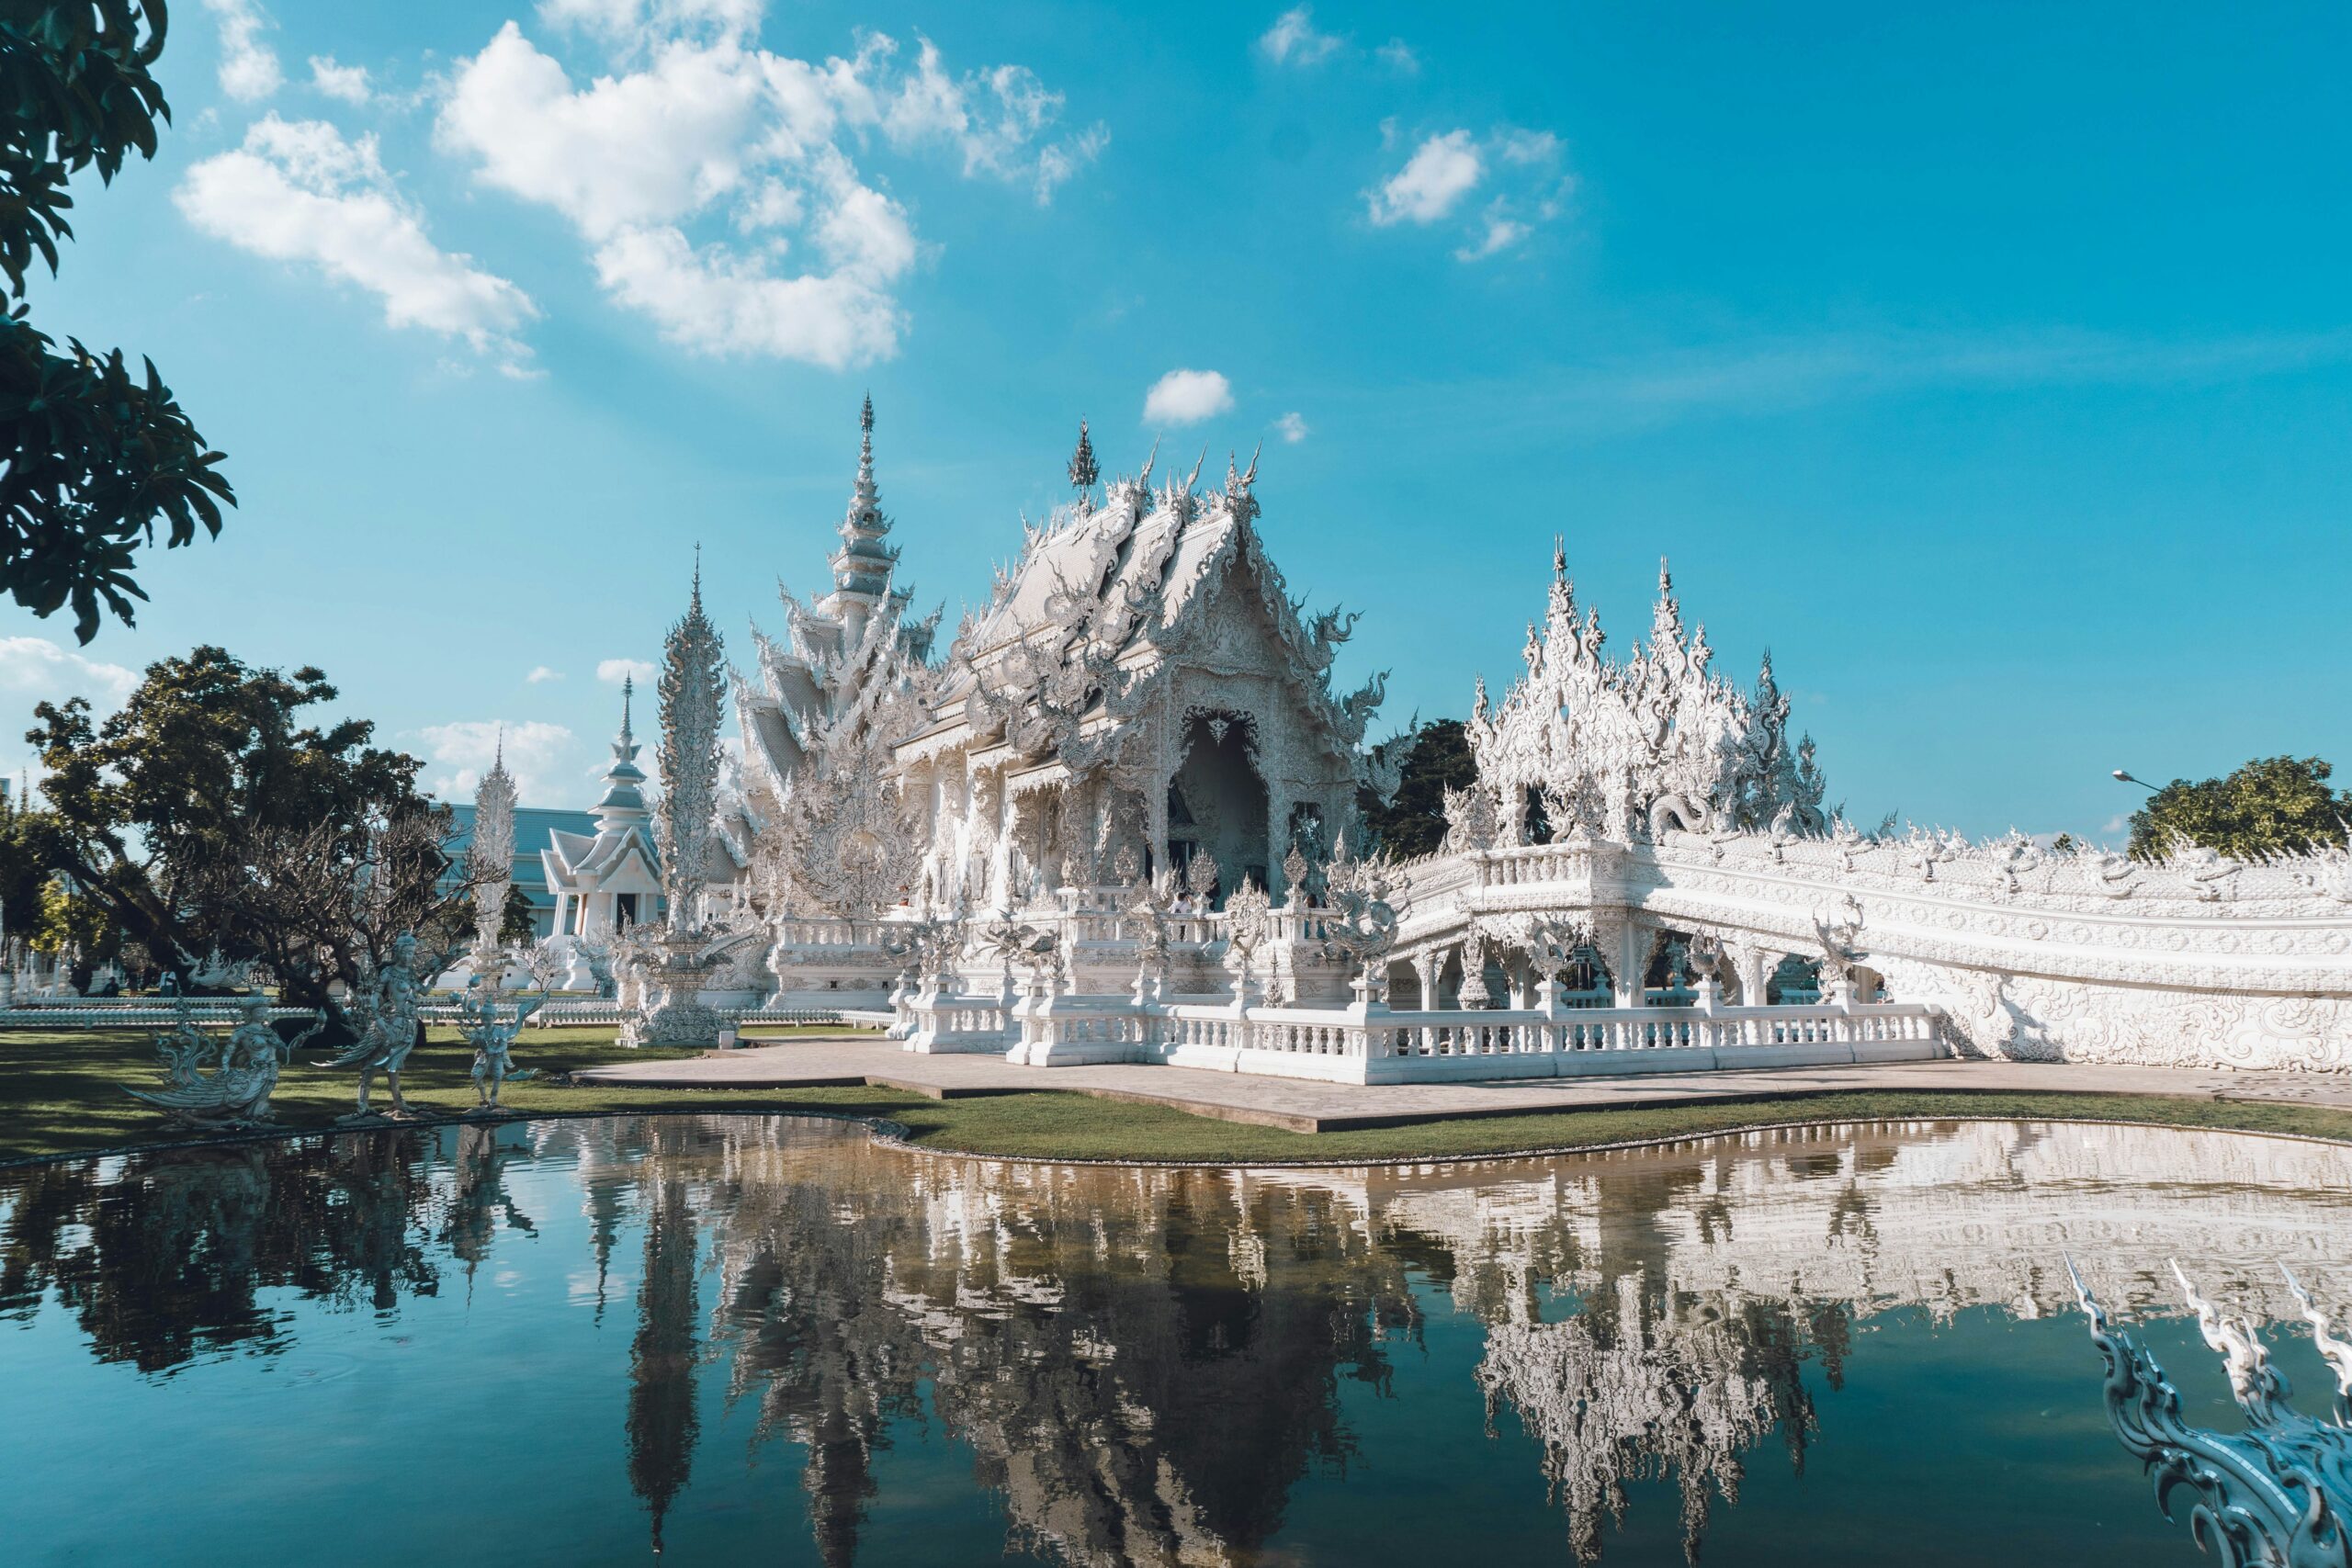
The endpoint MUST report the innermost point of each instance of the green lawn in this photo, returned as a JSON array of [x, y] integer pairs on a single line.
[[61, 1093]]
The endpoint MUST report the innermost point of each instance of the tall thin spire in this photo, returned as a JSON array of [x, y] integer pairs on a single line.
[[623, 802], [864, 563], [1082, 469]]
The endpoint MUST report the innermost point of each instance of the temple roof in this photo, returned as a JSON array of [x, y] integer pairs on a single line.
[[1102, 599]]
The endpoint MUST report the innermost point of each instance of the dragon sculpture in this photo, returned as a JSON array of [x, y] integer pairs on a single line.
[[2276, 1496]]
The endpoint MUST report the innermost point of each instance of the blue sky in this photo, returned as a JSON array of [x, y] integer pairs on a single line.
[[1991, 365]]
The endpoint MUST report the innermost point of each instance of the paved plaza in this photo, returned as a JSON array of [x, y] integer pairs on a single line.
[[1300, 1106]]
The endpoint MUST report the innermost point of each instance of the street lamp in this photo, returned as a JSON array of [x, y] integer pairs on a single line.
[[2123, 777]]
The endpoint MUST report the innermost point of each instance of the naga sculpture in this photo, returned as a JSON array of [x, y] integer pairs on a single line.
[[2277, 1494], [1247, 924], [492, 1038], [235, 1093], [387, 1028], [1362, 925]]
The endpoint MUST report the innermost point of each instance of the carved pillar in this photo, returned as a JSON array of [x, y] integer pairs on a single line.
[[1749, 962], [1520, 972], [1156, 819], [1425, 964], [1624, 947], [1631, 963]]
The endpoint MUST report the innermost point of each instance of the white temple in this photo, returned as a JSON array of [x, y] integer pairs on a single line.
[[608, 882], [1117, 820]]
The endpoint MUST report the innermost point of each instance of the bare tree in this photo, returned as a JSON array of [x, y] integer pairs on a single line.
[[320, 904]]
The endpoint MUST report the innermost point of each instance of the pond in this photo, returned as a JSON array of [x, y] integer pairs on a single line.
[[773, 1339]]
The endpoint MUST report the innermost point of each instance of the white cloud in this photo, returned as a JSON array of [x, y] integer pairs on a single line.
[[1187, 397], [1293, 40], [540, 756], [1063, 158], [717, 302], [1522, 168], [348, 83], [1501, 234], [992, 118], [1441, 172], [35, 670], [2119, 823], [1291, 428], [697, 123], [540, 676], [1398, 56], [41, 671], [249, 70], [1529, 146], [613, 671], [295, 191]]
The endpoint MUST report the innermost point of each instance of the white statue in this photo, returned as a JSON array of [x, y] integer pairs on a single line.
[[492, 1038], [235, 1093], [389, 1028]]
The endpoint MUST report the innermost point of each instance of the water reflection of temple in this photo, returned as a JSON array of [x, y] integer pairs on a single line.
[[1144, 1365]]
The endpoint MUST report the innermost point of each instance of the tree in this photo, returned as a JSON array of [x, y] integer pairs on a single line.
[[72, 925], [205, 813], [2272, 806], [1412, 823], [517, 923], [28, 857], [93, 455]]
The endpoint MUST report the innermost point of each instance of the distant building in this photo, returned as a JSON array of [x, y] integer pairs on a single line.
[[533, 827]]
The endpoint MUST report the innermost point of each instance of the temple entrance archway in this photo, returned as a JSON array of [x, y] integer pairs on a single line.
[[1217, 802]]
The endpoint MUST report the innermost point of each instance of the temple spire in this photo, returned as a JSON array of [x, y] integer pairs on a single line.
[[861, 567], [1082, 469], [623, 802]]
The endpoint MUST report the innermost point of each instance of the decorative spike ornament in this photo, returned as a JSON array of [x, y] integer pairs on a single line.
[[490, 855], [692, 680], [1083, 473]]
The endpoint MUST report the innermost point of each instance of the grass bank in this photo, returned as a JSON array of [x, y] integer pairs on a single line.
[[61, 1093]]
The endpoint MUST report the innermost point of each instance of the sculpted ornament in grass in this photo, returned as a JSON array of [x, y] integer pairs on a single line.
[[493, 1042], [235, 1094], [389, 1031]]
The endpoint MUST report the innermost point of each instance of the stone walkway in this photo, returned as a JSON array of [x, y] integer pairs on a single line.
[[1303, 1107]]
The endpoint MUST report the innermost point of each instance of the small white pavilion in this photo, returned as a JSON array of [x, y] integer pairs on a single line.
[[609, 881]]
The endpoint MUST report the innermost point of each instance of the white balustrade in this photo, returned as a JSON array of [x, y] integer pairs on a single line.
[[1372, 1044]]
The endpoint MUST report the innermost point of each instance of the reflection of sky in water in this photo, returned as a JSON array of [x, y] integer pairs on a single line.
[[523, 1342]]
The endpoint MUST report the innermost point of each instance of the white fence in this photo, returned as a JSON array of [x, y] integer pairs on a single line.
[[143, 1012], [1373, 1044]]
